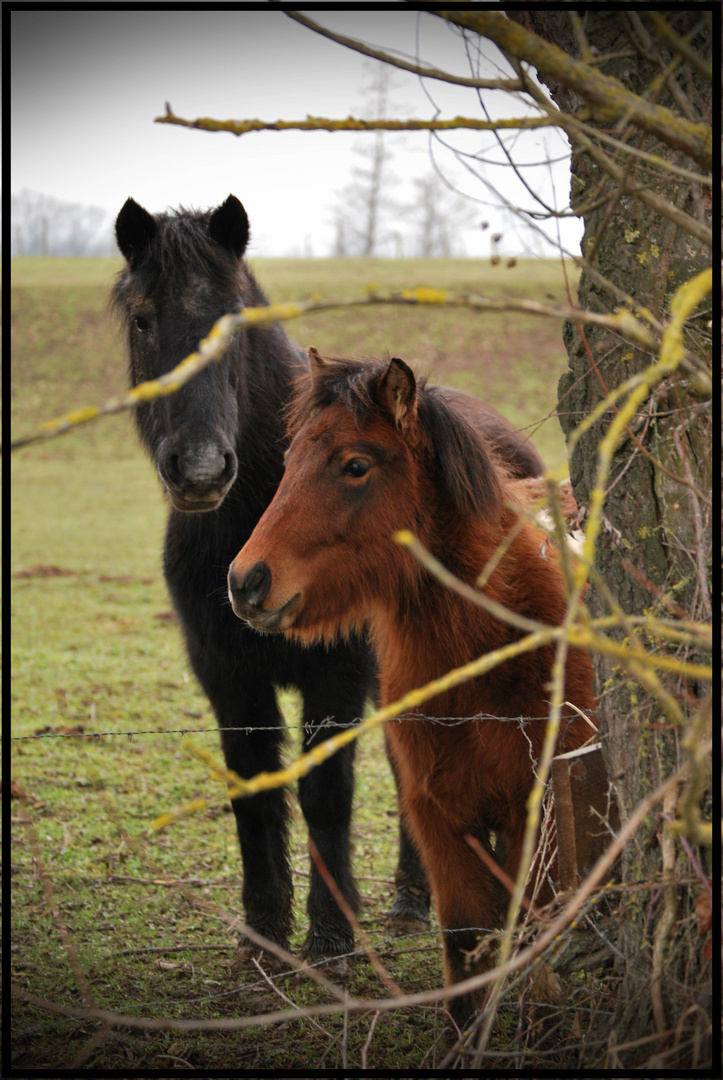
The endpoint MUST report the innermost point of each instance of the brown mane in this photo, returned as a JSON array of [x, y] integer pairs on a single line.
[[472, 474]]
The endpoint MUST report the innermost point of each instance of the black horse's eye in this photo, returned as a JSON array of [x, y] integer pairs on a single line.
[[142, 325], [356, 468]]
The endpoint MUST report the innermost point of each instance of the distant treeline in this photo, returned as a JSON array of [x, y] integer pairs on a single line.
[[44, 225], [368, 220]]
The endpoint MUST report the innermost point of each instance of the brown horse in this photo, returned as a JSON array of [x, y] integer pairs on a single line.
[[373, 451]]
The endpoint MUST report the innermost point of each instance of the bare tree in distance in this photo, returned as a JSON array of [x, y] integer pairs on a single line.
[[44, 225], [436, 214], [361, 216], [369, 220]]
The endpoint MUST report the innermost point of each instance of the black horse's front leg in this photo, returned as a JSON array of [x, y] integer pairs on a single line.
[[325, 797], [262, 824], [252, 736], [409, 913]]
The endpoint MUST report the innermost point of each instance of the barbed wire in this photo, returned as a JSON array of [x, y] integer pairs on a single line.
[[327, 723]]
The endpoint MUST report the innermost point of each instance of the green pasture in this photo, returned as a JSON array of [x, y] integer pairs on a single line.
[[96, 649]]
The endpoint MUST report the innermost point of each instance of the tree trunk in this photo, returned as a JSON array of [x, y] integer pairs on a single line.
[[656, 537]]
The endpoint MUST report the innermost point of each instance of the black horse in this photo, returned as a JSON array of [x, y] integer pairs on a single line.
[[218, 446]]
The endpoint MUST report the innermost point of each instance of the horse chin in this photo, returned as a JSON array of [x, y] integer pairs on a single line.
[[270, 622], [326, 631], [188, 503]]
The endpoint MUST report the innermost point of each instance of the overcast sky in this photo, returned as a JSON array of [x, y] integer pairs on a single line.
[[87, 84]]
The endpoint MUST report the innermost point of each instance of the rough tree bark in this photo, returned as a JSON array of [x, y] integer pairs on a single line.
[[657, 537]]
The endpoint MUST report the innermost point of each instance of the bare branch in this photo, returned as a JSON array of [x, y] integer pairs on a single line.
[[322, 123], [575, 128], [610, 99], [212, 347], [656, 202], [516, 963], [416, 69], [635, 151], [666, 33]]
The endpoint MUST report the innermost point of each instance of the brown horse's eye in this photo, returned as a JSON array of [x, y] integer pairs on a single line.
[[142, 325], [356, 468]]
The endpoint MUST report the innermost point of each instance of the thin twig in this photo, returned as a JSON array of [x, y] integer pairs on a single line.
[[394, 61], [351, 918], [212, 348], [517, 963], [700, 544], [368, 1041], [285, 997]]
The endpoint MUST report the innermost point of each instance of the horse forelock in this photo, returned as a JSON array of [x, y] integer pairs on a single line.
[[181, 255], [350, 383], [470, 473]]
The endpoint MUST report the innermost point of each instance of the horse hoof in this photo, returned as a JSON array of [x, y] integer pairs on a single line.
[[409, 914], [249, 950], [332, 950], [401, 926], [335, 968]]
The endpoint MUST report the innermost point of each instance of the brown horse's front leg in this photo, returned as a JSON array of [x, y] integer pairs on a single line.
[[469, 911], [467, 896]]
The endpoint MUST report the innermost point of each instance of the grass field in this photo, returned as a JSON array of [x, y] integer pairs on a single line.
[[95, 648]]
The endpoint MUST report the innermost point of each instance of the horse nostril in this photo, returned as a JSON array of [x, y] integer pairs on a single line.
[[230, 465], [173, 468], [255, 586]]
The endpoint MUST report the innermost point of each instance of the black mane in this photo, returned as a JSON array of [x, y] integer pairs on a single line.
[[182, 247]]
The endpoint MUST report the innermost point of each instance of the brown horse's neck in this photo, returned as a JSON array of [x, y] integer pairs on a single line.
[[437, 630], [428, 629]]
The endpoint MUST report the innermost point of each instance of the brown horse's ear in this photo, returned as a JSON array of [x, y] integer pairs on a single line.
[[317, 362], [397, 392]]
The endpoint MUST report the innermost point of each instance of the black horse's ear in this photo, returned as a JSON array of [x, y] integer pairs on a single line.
[[134, 229], [397, 392], [229, 226]]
